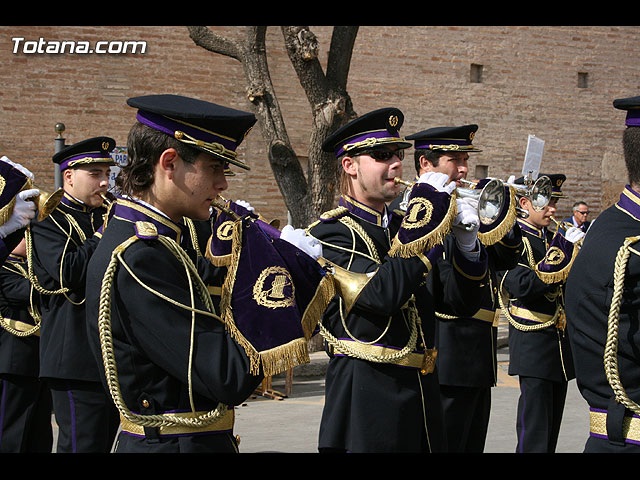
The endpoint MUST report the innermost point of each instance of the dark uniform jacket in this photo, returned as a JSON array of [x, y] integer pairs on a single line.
[[467, 345], [18, 354], [8, 243], [62, 246], [542, 353], [372, 406], [589, 296], [155, 357]]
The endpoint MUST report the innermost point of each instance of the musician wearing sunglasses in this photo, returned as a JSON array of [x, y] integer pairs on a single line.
[[381, 381], [602, 306], [467, 352]]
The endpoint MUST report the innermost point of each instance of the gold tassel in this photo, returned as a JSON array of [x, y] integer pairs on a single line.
[[313, 313], [225, 301], [284, 357], [219, 261]]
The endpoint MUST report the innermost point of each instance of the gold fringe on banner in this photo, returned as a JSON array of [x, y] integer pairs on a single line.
[[217, 261], [225, 300], [500, 230], [559, 276], [429, 240]]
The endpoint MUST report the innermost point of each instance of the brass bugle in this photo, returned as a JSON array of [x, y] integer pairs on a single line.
[[219, 204], [521, 212], [561, 223], [404, 182], [565, 226], [349, 284], [108, 198], [46, 202], [490, 198]]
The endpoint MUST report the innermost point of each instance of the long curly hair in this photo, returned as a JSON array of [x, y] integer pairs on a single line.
[[144, 147]]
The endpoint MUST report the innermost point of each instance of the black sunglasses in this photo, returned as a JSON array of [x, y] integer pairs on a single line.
[[383, 154]]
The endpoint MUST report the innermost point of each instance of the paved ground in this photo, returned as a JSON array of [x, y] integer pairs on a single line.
[[291, 425]]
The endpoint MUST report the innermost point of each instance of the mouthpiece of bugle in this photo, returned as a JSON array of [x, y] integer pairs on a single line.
[[404, 182]]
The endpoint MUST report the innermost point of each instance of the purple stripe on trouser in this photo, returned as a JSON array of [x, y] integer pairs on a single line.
[[72, 416], [2, 406], [524, 407]]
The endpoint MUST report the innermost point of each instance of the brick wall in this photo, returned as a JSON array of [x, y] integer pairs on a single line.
[[529, 86]]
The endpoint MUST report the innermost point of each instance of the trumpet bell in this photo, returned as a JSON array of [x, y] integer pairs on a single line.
[[348, 284], [539, 193], [490, 199], [47, 202]]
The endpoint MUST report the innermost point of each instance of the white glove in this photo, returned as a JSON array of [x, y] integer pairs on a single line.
[[18, 166], [298, 238], [23, 211], [466, 224], [439, 181], [511, 179], [244, 204], [574, 234], [489, 210]]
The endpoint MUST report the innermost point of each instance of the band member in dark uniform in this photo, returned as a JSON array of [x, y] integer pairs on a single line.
[[467, 345], [175, 363], [25, 402], [539, 350], [62, 245], [381, 387], [602, 301]]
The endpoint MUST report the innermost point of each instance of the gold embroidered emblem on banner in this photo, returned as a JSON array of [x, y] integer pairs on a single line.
[[274, 288], [419, 212]]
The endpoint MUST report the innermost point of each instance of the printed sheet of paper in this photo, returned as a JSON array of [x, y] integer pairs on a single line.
[[533, 157]]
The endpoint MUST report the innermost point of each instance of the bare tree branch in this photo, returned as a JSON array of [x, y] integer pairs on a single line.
[[339, 61], [205, 38], [305, 197]]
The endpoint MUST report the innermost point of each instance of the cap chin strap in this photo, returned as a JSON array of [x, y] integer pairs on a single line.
[[213, 147]]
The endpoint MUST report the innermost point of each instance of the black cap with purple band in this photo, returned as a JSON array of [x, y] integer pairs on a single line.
[[632, 106], [446, 139], [91, 150], [203, 125], [379, 127]]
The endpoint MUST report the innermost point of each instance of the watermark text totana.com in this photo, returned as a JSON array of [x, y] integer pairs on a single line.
[[80, 47]]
